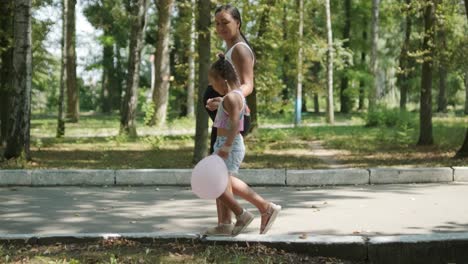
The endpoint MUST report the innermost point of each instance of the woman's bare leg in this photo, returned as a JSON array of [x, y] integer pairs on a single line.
[[241, 189]]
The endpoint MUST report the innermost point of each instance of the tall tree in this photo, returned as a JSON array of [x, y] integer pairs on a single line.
[[404, 73], [286, 59], [466, 8], [262, 29], [73, 101], [138, 10], [463, 151], [425, 114], [442, 66], [201, 131], [111, 18], [6, 60], [330, 109], [344, 96], [466, 90], [191, 63], [109, 83], [63, 74], [466, 82], [162, 65], [374, 91], [298, 108], [362, 83], [19, 118]]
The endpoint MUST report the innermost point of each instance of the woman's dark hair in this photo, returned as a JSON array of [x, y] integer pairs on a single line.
[[224, 69], [234, 12]]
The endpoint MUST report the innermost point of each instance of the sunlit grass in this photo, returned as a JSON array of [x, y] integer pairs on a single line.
[[350, 144]]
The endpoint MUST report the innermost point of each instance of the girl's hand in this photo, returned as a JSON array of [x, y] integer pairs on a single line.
[[213, 103], [224, 151], [223, 154]]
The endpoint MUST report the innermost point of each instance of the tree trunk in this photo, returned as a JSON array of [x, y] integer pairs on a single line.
[[18, 137], [466, 90], [286, 61], [466, 8], [63, 75], [442, 96], [316, 103], [298, 109], [344, 96], [129, 104], [463, 151], [6, 58], [362, 83], [191, 64], [119, 74], [201, 133], [442, 65], [425, 115], [330, 109], [374, 91], [162, 64], [402, 77], [73, 101], [108, 76]]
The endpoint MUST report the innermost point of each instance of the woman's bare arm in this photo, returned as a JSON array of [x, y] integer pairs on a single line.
[[243, 60]]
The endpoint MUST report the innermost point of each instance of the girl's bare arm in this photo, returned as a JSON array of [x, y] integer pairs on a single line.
[[233, 106]]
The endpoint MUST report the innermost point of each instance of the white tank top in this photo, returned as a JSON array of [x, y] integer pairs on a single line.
[[229, 52]]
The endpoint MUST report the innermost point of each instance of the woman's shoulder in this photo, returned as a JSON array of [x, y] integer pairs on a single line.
[[241, 50]]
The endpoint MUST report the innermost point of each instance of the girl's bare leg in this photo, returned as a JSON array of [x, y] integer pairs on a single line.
[[227, 198], [224, 213], [240, 188]]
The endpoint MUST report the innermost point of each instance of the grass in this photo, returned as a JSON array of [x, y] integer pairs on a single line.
[[94, 143], [127, 251]]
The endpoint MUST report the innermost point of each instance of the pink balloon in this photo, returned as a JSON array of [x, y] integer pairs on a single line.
[[210, 177]]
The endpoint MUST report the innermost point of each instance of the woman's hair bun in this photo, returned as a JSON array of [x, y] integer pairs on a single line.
[[221, 56]]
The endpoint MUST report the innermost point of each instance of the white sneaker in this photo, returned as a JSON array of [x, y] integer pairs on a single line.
[[243, 220], [220, 230], [271, 213]]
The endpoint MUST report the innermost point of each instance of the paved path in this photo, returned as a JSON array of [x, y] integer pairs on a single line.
[[345, 210]]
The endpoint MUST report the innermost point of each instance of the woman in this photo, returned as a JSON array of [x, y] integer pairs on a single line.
[[228, 26], [240, 55]]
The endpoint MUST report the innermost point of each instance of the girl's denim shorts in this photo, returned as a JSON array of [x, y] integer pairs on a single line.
[[236, 155]]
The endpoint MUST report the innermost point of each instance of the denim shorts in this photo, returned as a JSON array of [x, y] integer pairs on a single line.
[[236, 155]]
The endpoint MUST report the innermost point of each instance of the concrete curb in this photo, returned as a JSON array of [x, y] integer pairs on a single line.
[[428, 248], [255, 177]]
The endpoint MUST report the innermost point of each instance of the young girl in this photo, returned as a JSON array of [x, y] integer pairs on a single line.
[[229, 145]]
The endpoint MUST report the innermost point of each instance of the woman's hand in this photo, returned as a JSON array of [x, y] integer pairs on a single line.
[[213, 103]]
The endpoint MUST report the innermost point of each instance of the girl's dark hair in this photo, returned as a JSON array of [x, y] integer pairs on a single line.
[[224, 69], [234, 12]]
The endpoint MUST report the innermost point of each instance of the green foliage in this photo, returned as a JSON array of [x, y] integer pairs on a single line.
[[148, 111], [383, 117], [45, 67], [276, 50], [156, 142], [89, 96]]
